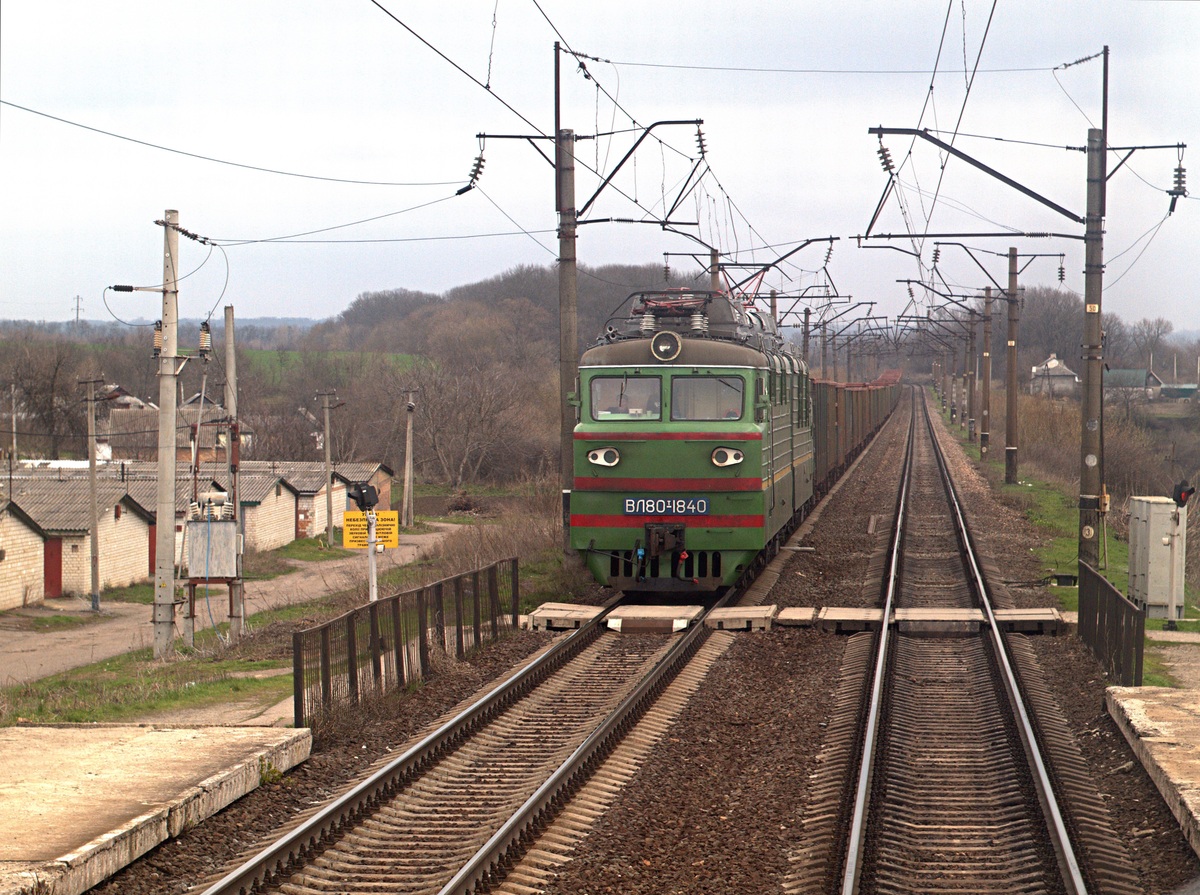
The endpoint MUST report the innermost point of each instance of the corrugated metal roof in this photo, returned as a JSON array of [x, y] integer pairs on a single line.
[[1130, 379], [63, 506], [257, 488], [14, 509]]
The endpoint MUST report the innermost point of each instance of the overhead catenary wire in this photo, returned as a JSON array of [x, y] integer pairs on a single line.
[[206, 158]]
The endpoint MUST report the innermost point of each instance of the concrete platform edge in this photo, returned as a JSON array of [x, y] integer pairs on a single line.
[[1126, 706], [78, 871]]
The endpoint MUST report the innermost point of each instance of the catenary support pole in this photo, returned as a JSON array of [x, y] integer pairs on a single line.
[[972, 361], [237, 587], [1010, 398], [328, 473], [164, 532], [985, 393], [1091, 473], [406, 510], [94, 532], [568, 299]]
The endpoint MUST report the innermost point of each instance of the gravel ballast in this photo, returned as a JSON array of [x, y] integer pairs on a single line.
[[716, 806]]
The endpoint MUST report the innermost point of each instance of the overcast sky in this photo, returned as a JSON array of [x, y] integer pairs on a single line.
[[787, 92]]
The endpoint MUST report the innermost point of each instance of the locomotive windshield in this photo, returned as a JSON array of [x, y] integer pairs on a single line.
[[626, 397], [706, 398]]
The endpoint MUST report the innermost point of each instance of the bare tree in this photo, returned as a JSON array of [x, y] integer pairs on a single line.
[[1118, 343], [45, 370], [1148, 337]]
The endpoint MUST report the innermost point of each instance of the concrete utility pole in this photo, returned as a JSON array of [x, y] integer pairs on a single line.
[[325, 396], [406, 509], [94, 531], [568, 300], [807, 315], [1091, 465], [237, 588], [164, 533], [985, 393], [714, 270], [1010, 419], [971, 362], [231, 411]]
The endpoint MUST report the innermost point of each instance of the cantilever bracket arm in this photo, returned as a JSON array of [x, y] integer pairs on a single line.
[[959, 154], [763, 268], [620, 164]]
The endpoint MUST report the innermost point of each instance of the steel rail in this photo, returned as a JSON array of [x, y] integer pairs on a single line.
[[479, 868], [1059, 836], [858, 824], [852, 869], [334, 816]]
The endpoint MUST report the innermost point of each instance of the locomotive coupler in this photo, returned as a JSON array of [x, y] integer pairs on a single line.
[[662, 539]]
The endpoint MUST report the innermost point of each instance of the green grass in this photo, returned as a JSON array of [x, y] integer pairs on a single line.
[[1155, 672], [59, 622], [135, 593], [314, 549], [131, 685]]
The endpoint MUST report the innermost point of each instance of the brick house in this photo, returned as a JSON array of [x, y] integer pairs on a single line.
[[268, 504], [22, 556], [62, 510]]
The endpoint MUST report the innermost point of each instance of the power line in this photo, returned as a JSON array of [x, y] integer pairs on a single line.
[[512, 221], [391, 15], [206, 158], [294, 236], [816, 71]]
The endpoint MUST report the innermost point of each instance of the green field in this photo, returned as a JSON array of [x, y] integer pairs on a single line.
[[278, 366]]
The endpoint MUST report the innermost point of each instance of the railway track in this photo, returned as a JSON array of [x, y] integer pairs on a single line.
[[456, 809], [960, 786]]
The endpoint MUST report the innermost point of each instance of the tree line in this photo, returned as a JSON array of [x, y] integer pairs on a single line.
[[480, 363]]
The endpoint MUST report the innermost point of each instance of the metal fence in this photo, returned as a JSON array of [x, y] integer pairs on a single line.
[[1112, 626], [388, 644]]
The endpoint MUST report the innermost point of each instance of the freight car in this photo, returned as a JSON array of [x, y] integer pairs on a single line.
[[702, 442]]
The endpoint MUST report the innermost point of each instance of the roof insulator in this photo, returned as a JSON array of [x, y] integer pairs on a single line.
[[885, 158]]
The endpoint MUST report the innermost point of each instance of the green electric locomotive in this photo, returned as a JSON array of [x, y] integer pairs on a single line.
[[694, 449]]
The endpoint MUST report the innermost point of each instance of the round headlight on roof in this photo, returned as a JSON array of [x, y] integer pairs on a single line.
[[604, 456], [666, 346], [726, 456]]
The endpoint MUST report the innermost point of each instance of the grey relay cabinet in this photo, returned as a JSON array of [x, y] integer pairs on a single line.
[[1157, 544]]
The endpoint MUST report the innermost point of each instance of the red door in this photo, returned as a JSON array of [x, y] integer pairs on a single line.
[[153, 548], [52, 567]]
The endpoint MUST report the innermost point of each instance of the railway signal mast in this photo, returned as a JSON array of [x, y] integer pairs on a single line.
[[1092, 493]]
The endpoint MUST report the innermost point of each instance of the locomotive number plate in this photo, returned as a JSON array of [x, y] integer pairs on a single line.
[[666, 506]]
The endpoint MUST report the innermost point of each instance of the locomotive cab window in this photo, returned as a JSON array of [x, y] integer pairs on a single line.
[[626, 398], [706, 398]]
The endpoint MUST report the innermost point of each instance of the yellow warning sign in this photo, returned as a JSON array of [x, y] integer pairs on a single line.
[[387, 528], [355, 532]]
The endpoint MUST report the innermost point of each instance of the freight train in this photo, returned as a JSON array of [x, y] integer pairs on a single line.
[[702, 442]]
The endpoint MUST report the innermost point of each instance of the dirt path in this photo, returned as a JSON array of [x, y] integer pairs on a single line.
[[27, 654]]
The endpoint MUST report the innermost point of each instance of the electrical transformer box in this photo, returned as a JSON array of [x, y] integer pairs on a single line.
[[212, 548], [1157, 543]]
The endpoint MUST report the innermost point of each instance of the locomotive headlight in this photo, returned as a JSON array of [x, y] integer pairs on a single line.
[[724, 456], [605, 456]]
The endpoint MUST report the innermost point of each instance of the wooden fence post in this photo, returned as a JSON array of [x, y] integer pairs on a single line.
[[423, 634], [376, 652], [458, 617], [298, 679], [516, 595], [493, 577], [478, 609], [326, 672], [352, 656], [439, 596], [399, 641]]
